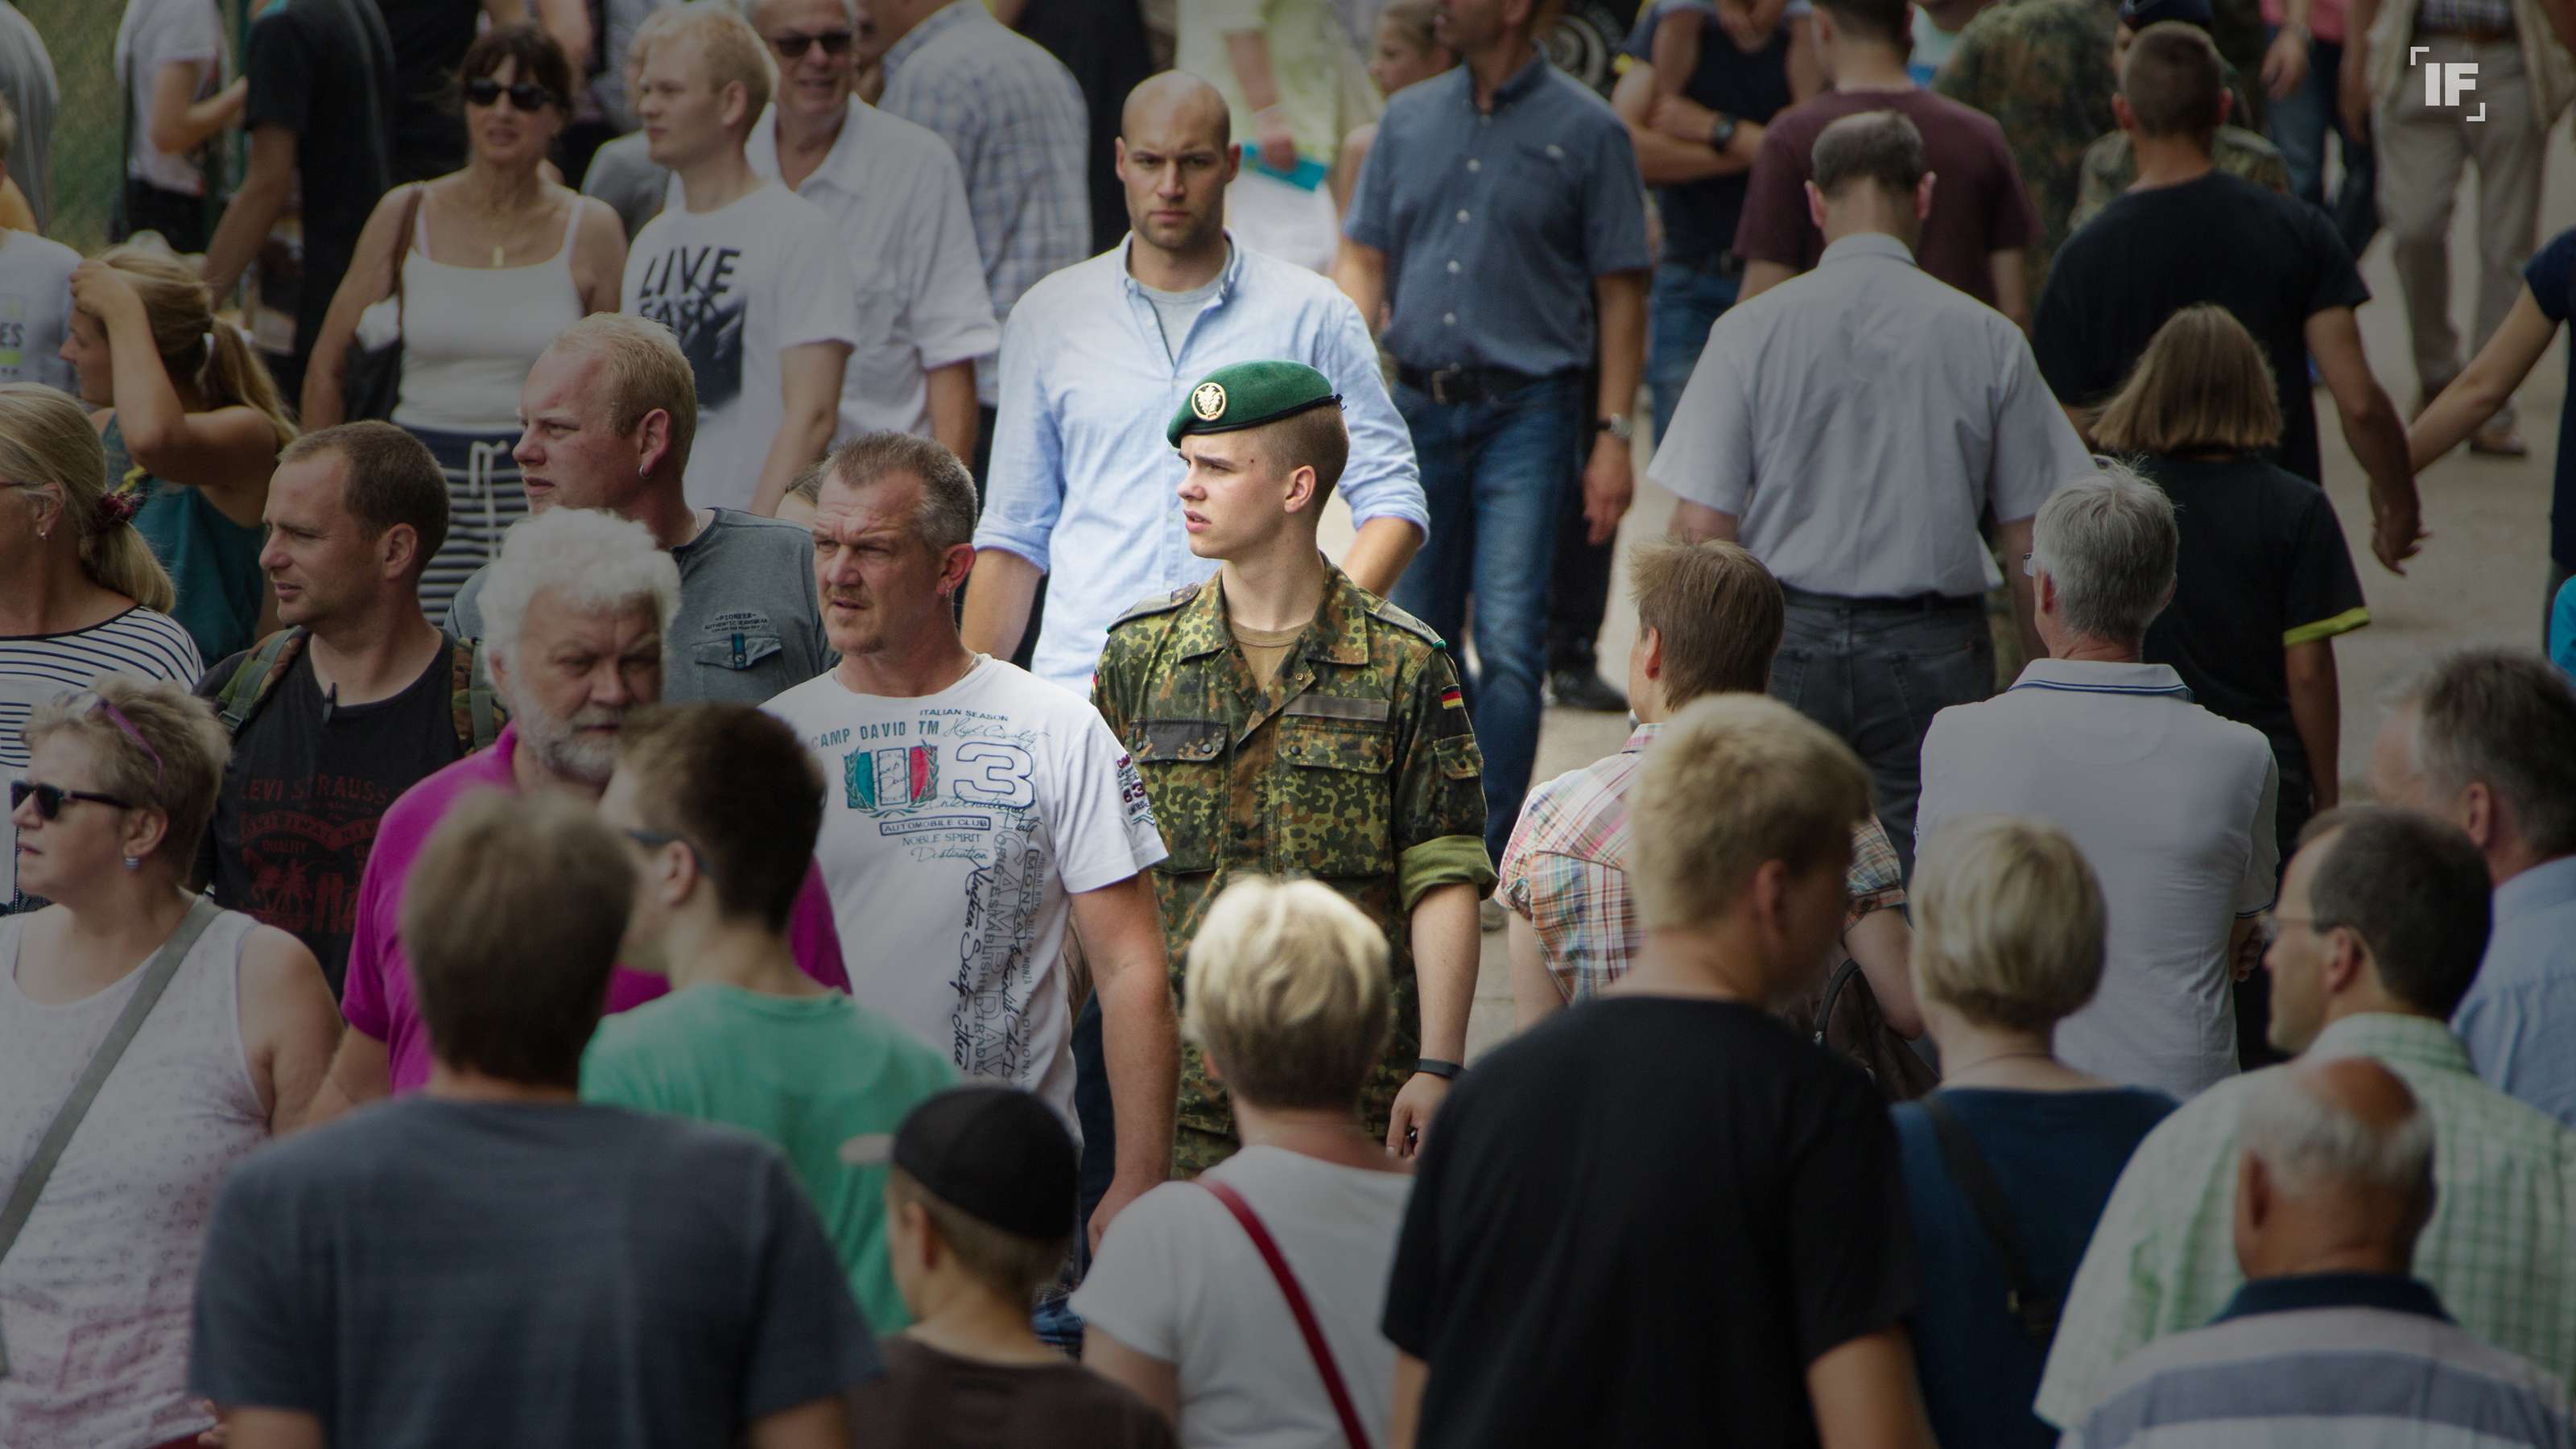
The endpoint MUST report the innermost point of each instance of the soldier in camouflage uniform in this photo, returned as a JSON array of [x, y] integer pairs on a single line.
[[2043, 69], [1334, 745]]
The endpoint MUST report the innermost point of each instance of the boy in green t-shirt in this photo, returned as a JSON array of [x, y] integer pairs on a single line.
[[723, 802]]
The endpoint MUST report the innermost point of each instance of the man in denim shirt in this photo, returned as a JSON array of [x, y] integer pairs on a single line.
[[1498, 231]]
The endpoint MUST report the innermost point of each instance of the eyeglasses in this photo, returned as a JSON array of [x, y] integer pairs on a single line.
[[484, 90], [2267, 926], [2029, 569], [115, 716], [834, 42], [50, 799], [657, 839]]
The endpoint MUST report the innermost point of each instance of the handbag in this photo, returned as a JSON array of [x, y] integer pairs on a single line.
[[67, 1118], [1322, 1352], [1842, 1015], [371, 376]]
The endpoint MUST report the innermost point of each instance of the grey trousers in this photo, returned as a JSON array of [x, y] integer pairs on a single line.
[[2423, 154]]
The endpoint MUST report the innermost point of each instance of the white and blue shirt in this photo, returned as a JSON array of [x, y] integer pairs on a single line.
[[2520, 1010], [1082, 478]]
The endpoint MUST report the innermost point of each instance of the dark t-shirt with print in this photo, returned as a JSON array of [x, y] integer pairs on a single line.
[[1639, 1223], [748, 629], [2263, 565], [2273, 261], [323, 69], [930, 1399], [1700, 216], [307, 783]]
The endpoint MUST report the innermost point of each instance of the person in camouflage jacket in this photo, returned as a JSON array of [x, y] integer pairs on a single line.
[[2111, 164], [1334, 746]]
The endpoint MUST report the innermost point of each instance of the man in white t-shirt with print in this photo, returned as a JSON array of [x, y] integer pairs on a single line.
[[747, 274], [974, 810]]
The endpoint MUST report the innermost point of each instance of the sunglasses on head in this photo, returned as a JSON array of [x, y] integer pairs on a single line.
[[50, 799], [484, 90], [794, 47]]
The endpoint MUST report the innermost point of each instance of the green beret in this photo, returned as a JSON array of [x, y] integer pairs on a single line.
[[1248, 394]]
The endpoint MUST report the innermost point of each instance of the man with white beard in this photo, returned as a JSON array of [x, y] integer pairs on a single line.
[[574, 612]]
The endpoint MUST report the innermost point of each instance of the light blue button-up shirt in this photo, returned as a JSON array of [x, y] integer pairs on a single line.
[[2520, 1014], [1082, 478]]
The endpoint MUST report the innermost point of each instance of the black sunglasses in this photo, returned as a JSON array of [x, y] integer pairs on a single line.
[[794, 46], [484, 90], [51, 798]]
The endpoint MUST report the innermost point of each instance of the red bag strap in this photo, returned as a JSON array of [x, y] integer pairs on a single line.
[[1322, 1352]]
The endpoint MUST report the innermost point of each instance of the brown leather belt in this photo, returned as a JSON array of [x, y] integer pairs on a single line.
[[2473, 35]]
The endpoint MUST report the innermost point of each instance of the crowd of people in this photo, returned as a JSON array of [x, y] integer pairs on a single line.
[[706, 784]]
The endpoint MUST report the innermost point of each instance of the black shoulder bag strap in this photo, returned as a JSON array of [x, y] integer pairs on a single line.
[[2034, 1310], [67, 1118]]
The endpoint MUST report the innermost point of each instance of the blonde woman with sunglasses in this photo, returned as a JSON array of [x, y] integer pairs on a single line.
[[148, 1042]]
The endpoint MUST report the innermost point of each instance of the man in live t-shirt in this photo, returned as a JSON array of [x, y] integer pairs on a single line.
[[1981, 219], [367, 708], [320, 107], [747, 274]]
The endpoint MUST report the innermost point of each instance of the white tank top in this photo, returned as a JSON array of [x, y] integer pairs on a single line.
[[470, 334], [95, 1298]]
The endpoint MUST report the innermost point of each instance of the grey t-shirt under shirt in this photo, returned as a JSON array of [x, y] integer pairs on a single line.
[[431, 1273], [1177, 310], [748, 629]]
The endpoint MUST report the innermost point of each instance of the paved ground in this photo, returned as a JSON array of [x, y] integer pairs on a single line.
[[2479, 580]]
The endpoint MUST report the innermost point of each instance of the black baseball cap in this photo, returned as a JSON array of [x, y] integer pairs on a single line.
[[996, 1154], [2139, 14]]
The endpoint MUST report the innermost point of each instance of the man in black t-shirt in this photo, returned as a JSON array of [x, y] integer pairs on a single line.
[[319, 113], [365, 709], [2187, 233], [1664, 1217]]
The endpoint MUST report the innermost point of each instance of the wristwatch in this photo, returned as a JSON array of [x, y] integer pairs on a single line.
[[1721, 132], [1617, 425], [1433, 1066]]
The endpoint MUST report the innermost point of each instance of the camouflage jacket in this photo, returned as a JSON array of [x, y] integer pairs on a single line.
[[2111, 167], [2042, 69], [1356, 766]]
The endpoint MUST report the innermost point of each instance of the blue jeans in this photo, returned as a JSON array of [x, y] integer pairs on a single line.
[[1492, 472], [1875, 674], [1685, 303], [2299, 124]]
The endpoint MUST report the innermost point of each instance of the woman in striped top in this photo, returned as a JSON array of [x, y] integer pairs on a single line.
[[81, 595]]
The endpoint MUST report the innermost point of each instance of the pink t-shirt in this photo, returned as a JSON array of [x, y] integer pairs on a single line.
[[2325, 18], [378, 997]]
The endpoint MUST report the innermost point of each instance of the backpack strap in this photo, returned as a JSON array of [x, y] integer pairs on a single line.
[[479, 711], [257, 676], [2034, 1310], [1321, 1351]]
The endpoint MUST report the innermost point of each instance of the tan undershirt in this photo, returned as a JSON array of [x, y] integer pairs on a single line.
[[1265, 649]]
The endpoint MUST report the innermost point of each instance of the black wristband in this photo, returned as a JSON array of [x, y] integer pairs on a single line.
[[1433, 1066]]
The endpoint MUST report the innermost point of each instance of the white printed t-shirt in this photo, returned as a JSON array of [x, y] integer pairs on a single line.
[[737, 286], [956, 826], [1178, 1280]]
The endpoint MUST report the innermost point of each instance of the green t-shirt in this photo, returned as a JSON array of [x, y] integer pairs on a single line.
[[816, 1075]]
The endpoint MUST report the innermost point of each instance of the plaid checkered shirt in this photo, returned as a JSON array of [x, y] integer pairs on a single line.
[[1566, 871], [1015, 118], [2501, 1248]]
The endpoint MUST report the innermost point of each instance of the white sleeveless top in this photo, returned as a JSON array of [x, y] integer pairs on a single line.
[[96, 1296], [470, 334]]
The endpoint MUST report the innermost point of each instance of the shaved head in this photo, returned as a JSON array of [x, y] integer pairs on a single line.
[[1176, 102]]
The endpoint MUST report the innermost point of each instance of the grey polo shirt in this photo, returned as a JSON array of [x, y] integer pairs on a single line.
[[1859, 419], [1495, 223]]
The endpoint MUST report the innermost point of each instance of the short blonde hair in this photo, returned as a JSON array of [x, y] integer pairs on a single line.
[[644, 369], [2008, 922], [1290, 991], [1733, 782], [730, 50], [2202, 382], [178, 727]]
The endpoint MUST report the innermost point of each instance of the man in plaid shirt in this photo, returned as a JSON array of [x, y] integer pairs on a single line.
[[1709, 618]]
